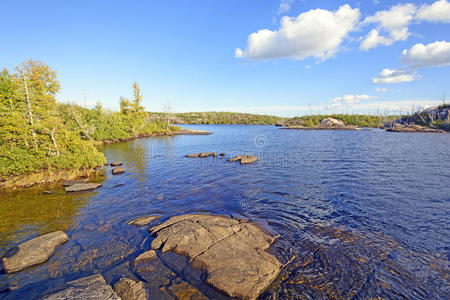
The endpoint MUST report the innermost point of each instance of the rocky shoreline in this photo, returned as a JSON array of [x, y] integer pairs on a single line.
[[433, 119], [228, 254], [168, 133], [49, 177]]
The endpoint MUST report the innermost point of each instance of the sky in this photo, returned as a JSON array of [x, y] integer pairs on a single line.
[[280, 57]]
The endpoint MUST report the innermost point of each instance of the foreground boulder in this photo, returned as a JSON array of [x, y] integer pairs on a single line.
[[89, 288], [231, 251], [79, 187], [202, 154], [32, 252], [244, 159], [142, 221], [118, 171], [128, 289]]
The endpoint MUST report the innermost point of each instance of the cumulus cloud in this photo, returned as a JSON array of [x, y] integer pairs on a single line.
[[318, 33], [434, 54], [393, 22], [374, 39], [393, 76], [439, 11]]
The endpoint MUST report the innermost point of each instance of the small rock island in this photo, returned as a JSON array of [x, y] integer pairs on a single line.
[[325, 124]]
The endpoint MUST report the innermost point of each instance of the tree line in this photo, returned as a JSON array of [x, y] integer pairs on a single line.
[[38, 133]]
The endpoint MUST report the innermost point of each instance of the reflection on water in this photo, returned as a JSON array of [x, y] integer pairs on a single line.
[[28, 213], [363, 214]]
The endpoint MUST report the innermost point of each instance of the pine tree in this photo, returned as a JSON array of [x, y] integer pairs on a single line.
[[137, 99], [124, 106]]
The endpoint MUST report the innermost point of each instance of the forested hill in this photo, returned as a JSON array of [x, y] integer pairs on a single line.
[[217, 118], [253, 119]]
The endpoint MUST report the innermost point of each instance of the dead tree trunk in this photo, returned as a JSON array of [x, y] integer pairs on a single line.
[[84, 130], [30, 113], [52, 135]]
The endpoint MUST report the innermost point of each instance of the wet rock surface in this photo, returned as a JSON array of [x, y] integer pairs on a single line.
[[202, 154], [148, 255], [118, 171], [142, 221], [128, 289], [115, 163], [72, 182], [88, 288], [230, 251], [244, 159], [79, 187], [182, 290], [32, 252]]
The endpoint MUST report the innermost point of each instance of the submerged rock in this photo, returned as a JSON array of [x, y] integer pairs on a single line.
[[32, 252], [72, 182], [79, 187], [128, 289], [118, 171], [202, 154], [116, 163], [231, 251], [148, 255], [142, 221], [88, 288], [183, 290], [244, 159]]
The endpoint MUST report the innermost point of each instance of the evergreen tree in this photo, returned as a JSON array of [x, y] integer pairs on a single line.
[[137, 99], [124, 106]]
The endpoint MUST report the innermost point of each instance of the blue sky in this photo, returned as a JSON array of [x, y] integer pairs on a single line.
[[285, 57]]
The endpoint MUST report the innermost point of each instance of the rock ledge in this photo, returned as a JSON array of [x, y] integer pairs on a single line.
[[231, 251]]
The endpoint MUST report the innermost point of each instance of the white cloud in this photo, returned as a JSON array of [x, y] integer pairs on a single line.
[[394, 22], [439, 11], [373, 39], [318, 33], [394, 76], [285, 6], [382, 90], [351, 99], [434, 54]]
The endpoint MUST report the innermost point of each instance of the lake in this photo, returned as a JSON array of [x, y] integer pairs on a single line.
[[364, 213]]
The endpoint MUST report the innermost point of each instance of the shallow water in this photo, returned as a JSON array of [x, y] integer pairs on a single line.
[[364, 213]]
